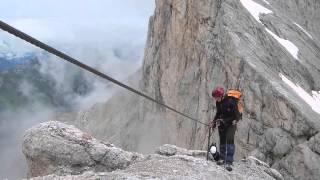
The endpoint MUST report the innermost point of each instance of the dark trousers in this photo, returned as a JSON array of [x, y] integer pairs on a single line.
[[227, 147]]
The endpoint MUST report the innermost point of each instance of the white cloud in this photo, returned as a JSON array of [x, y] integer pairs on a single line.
[[313, 101], [106, 34], [12, 127], [10, 46], [33, 27], [75, 8], [61, 20]]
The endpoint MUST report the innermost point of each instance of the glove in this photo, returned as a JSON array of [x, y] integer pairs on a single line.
[[234, 122], [219, 122], [213, 124]]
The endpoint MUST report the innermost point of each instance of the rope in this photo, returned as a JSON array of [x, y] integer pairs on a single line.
[[64, 56]]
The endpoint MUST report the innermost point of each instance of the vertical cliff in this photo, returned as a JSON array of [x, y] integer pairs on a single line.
[[267, 48]]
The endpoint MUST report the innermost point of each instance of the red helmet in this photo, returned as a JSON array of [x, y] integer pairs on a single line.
[[218, 91]]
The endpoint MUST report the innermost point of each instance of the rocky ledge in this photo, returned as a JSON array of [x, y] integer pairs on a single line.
[[58, 151]]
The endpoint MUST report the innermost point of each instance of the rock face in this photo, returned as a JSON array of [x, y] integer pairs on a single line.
[[193, 46], [54, 147], [67, 153]]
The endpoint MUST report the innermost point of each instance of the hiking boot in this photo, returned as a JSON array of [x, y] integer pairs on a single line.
[[228, 167], [220, 162]]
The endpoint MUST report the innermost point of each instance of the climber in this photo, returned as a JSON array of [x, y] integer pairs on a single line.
[[226, 118]]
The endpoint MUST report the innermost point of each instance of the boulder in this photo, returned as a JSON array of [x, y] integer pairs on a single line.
[[54, 147]]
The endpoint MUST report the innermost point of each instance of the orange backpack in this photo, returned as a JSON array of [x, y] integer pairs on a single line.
[[236, 94]]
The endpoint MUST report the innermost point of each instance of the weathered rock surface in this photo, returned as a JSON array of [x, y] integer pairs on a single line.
[[301, 163], [181, 167], [54, 147], [194, 45], [67, 153]]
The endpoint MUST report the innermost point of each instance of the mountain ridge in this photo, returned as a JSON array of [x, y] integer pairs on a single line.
[[193, 46]]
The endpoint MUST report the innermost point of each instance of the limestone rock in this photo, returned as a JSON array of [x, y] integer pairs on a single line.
[[314, 143], [301, 163], [54, 147], [178, 167], [193, 46], [276, 143], [59, 151], [170, 150]]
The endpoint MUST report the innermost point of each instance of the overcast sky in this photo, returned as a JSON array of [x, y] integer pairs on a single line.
[[81, 28], [61, 20]]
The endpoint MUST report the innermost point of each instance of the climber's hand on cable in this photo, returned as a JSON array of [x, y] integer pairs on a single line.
[[212, 124], [234, 122], [219, 122]]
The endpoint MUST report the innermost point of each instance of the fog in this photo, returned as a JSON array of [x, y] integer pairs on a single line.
[[107, 35]]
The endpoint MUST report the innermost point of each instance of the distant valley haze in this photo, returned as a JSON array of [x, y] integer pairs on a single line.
[[35, 85]]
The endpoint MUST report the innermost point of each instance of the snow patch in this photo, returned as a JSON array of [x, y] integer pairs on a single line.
[[255, 9], [291, 48], [266, 2], [313, 101], [306, 32]]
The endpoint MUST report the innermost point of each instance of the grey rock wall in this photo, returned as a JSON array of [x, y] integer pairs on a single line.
[[194, 45]]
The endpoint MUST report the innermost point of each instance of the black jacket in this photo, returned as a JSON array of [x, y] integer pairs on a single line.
[[227, 110]]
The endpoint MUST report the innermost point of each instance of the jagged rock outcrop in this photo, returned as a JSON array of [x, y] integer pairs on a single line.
[[67, 153], [54, 147], [193, 46]]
